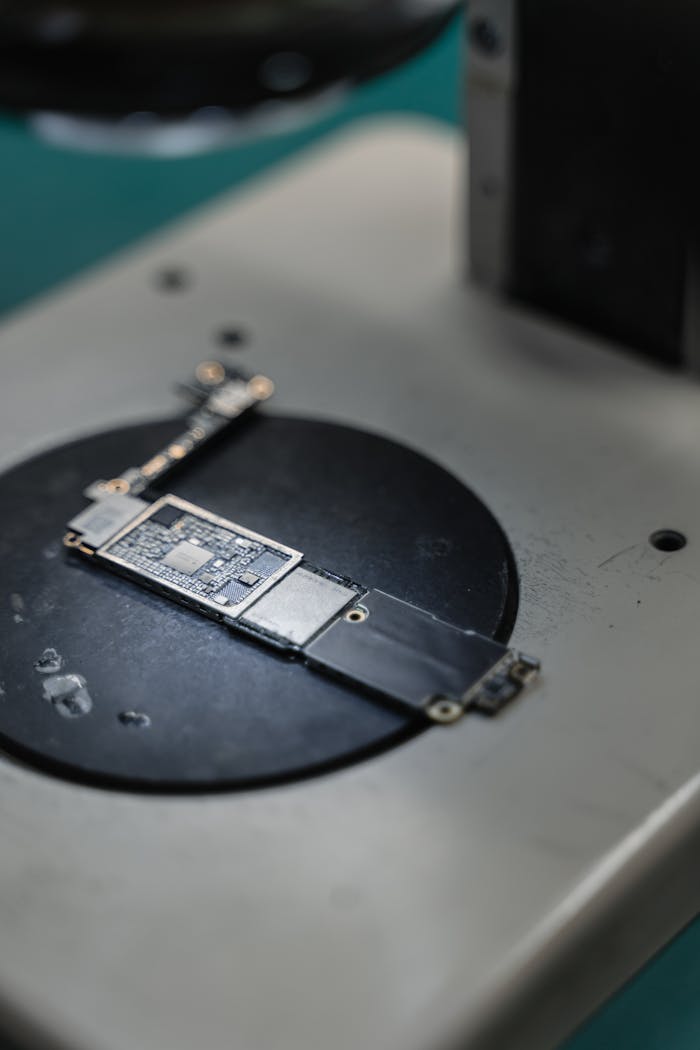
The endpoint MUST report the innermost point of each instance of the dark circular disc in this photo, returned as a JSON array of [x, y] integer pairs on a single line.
[[113, 58], [178, 702]]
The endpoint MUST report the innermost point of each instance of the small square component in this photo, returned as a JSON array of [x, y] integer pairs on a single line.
[[266, 564], [166, 516], [199, 557], [187, 558]]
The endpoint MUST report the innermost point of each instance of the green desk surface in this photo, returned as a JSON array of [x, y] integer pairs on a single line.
[[63, 211]]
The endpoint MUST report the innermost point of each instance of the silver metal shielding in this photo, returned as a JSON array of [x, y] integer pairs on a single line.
[[299, 606], [187, 558], [100, 521], [187, 563]]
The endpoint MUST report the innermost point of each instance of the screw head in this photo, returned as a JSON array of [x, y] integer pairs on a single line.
[[444, 711], [210, 373], [117, 486], [261, 388]]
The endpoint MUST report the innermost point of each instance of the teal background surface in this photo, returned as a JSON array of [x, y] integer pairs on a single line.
[[61, 212]]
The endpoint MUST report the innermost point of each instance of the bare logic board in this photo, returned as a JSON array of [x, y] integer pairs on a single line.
[[199, 556], [259, 586]]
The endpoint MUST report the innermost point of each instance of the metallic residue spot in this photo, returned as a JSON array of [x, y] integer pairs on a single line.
[[50, 662], [134, 718], [18, 607], [68, 694], [434, 547]]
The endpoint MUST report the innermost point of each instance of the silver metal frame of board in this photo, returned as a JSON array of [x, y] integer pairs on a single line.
[[293, 557], [487, 884]]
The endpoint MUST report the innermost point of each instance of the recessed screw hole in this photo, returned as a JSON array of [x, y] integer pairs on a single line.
[[231, 336], [135, 719], [485, 37], [173, 279], [667, 540]]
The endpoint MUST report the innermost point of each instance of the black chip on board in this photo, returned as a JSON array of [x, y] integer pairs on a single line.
[[167, 516]]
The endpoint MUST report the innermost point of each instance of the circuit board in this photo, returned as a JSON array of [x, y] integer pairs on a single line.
[[198, 556], [263, 588], [260, 587]]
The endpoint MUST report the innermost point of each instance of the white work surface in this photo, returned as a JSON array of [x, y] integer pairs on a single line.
[[490, 881]]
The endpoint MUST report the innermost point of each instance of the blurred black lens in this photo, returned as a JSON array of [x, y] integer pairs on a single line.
[[170, 57]]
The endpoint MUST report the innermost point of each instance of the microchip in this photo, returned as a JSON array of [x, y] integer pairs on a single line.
[[383, 645], [266, 563], [233, 593], [187, 558], [198, 559], [167, 516]]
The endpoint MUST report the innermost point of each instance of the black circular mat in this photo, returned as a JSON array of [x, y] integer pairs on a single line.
[[167, 700]]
